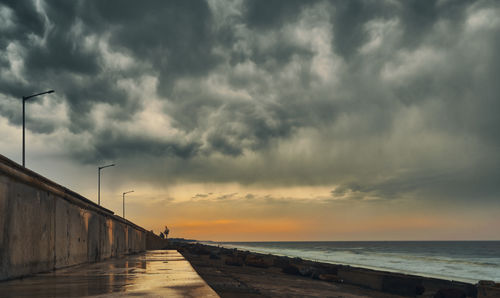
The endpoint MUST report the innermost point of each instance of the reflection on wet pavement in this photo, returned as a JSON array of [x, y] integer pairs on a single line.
[[159, 273]]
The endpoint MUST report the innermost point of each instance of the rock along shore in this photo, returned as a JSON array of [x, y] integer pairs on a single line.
[[236, 273]]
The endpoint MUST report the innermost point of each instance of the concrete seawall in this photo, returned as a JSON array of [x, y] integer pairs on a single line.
[[45, 226]]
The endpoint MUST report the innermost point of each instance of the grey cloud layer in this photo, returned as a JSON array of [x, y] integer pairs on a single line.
[[382, 98]]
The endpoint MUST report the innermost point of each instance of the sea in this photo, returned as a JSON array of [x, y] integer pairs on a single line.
[[467, 261]]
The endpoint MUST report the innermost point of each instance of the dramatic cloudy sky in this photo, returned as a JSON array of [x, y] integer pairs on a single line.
[[264, 120]]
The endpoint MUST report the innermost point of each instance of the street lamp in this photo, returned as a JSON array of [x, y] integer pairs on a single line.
[[124, 201], [99, 182], [24, 101]]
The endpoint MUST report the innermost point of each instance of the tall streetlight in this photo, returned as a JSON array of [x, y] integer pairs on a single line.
[[99, 182], [24, 103], [124, 201]]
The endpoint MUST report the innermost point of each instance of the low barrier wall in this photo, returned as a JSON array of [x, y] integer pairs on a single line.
[[153, 241], [405, 285], [45, 226]]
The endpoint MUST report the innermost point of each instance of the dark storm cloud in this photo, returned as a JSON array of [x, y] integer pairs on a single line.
[[175, 36], [111, 144], [461, 186], [381, 98], [172, 39], [273, 13], [417, 19]]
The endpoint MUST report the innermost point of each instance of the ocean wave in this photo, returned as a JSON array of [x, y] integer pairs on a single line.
[[430, 260]]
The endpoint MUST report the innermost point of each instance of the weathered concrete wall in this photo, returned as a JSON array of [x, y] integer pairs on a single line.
[[44, 226]]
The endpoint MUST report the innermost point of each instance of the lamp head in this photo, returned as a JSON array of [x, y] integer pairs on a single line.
[[111, 165]]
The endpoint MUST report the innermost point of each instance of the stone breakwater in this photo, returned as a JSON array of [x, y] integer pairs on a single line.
[[383, 282]]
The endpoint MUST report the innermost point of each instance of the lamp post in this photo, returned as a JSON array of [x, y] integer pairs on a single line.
[[99, 182], [124, 201], [24, 103]]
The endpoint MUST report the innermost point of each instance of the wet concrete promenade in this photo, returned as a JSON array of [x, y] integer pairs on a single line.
[[159, 273]]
